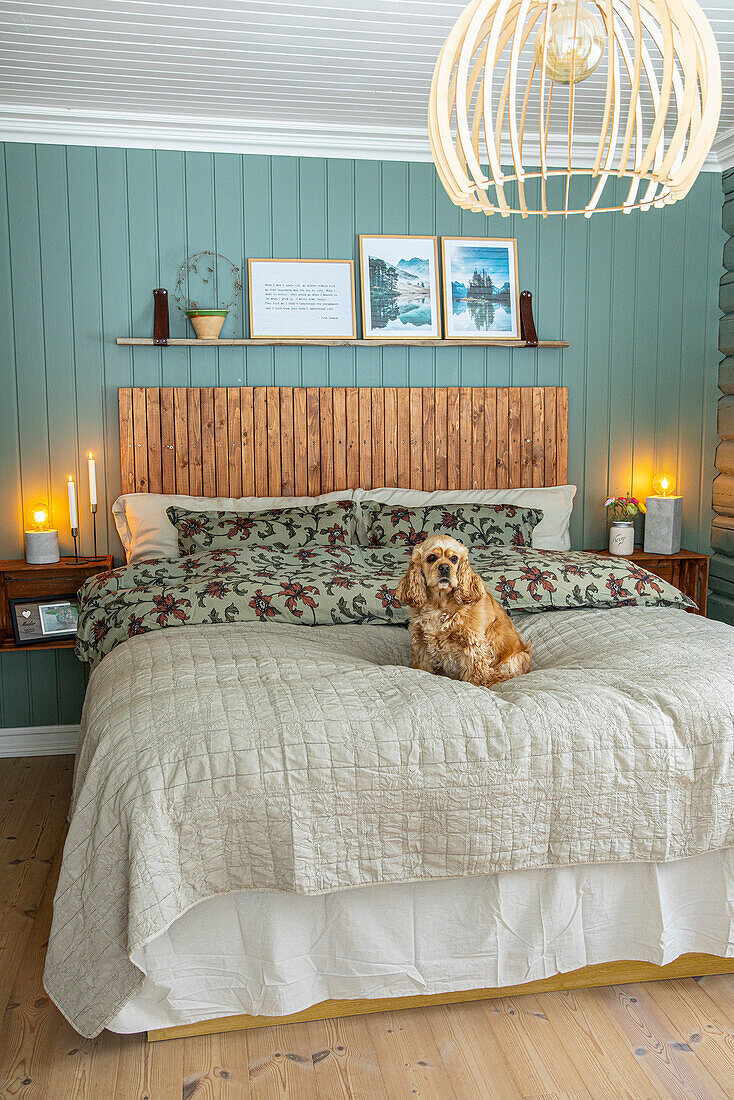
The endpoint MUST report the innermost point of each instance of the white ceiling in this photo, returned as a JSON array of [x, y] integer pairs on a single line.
[[340, 77]]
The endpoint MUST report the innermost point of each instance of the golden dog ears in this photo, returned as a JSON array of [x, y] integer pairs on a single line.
[[470, 588], [412, 588]]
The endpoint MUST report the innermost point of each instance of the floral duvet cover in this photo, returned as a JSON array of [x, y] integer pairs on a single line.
[[325, 585]]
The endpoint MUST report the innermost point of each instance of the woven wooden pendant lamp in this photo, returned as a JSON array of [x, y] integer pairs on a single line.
[[513, 72]]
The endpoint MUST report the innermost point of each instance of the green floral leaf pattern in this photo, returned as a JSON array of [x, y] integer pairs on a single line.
[[321, 585], [328, 524], [472, 524]]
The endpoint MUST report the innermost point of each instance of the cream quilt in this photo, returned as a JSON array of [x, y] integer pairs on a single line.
[[253, 756]]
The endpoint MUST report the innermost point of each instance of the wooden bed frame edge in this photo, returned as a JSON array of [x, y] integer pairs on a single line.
[[610, 973]]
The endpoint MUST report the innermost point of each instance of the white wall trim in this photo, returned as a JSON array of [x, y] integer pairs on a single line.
[[72, 126], [39, 741], [723, 149]]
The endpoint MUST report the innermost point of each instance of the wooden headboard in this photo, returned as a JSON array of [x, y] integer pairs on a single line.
[[284, 441]]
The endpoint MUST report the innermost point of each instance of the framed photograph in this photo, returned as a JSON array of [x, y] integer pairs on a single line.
[[301, 299], [44, 620], [399, 278], [481, 295]]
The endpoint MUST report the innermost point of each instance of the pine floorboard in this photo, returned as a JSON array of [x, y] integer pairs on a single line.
[[670, 1039]]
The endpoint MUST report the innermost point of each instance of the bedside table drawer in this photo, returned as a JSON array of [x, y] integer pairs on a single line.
[[20, 581]]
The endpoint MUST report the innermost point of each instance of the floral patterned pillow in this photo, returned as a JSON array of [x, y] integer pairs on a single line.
[[538, 580], [472, 524], [328, 524]]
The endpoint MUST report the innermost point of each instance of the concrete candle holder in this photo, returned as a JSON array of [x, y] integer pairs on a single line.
[[41, 547], [663, 525]]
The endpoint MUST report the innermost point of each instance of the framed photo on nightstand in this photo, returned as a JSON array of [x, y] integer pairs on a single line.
[[44, 620]]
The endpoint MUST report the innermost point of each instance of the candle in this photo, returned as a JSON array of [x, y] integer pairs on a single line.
[[72, 504], [92, 482]]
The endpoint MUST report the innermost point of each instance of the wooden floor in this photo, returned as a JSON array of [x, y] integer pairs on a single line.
[[662, 1039]]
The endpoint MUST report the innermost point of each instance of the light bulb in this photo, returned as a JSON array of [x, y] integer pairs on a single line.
[[663, 485], [39, 518], [576, 41]]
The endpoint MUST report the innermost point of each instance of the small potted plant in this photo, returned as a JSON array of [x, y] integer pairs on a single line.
[[622, 512], [204, 267]]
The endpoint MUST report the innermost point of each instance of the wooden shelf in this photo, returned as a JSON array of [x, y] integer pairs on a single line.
[[137, 341]]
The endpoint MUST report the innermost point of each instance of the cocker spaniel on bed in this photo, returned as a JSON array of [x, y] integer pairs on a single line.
[[457, 629]]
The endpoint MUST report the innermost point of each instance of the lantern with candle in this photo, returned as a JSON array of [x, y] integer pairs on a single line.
[[664, 517], [41, 541]]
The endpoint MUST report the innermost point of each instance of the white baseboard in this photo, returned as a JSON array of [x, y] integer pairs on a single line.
[[39, 741]]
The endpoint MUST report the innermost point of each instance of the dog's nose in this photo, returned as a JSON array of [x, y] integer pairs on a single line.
[[444, 570]]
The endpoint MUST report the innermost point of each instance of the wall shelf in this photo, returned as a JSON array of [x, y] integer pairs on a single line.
[[137, 341]]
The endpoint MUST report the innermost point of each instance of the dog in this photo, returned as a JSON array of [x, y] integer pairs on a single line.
[[456, 628]]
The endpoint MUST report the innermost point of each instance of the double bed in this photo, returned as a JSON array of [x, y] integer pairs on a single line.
[[275, 816]]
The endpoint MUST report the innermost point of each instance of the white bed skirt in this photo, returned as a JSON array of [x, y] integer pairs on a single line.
[[264, 953]]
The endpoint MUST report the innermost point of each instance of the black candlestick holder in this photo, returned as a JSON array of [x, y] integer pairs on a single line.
[[94, 527], [75, 536]]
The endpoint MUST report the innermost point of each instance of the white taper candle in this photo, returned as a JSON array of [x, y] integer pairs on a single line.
[[72, 504], [92, 481]]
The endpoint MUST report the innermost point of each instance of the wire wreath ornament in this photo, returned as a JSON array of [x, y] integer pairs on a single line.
[[204, 264]]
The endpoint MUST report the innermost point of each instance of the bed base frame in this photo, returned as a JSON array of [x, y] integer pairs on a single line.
[[283, 441], [612, 973]]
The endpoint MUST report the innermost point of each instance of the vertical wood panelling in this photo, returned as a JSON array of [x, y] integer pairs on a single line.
[[193, 423], [168, 446], [86, 234], [234, 434], [287, 461], [295, 429], [153, 416], [181, 437]]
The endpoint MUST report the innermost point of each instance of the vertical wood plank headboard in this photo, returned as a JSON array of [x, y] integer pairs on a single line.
[[284, 441]]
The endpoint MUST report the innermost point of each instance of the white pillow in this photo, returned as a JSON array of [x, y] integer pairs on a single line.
[[146, 531], [556, 501]]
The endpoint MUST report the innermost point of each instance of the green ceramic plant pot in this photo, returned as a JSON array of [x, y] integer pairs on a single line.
[[207, 322]]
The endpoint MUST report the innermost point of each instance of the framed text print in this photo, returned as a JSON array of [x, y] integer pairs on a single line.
[[301, 299], [399, 278], [481, 297]]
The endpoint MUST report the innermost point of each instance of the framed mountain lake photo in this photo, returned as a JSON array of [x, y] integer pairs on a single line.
[[399, 277], [480, 287]]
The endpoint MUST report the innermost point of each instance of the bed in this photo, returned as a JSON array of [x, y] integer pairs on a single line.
[[272, 822]]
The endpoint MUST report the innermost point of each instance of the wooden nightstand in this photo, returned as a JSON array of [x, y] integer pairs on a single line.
[[18, 581], [686, 570]]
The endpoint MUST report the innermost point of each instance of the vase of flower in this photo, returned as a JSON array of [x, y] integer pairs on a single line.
[[622, 512], [621, 538]]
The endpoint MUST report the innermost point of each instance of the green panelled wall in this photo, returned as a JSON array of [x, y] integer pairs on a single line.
[[85, 235], [721, 600]]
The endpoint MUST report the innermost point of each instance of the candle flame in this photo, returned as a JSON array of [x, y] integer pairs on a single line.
[[91, 455], [71, 478]]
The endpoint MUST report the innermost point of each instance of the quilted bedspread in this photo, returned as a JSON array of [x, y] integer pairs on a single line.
[[266, 756]]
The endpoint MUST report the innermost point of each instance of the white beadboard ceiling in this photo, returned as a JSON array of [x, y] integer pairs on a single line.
[[333, 77]]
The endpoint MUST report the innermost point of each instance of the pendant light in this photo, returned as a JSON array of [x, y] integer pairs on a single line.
[[625, 88]]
